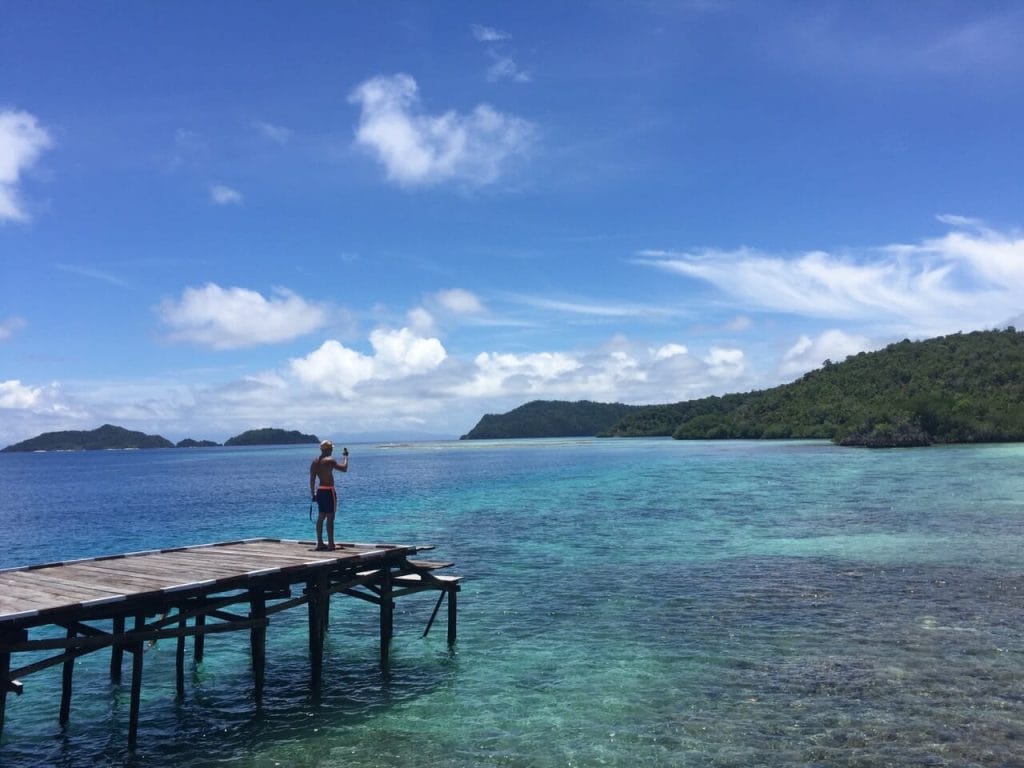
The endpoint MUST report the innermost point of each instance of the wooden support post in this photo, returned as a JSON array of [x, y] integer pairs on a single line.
[[179, 658], [67, 677], [5, 673], [117, 649], [133, 713], [6, 684], [258, 638], [316, 592], [452, 611], [200, 641], [387, 615], [433, 614], [327, 605]]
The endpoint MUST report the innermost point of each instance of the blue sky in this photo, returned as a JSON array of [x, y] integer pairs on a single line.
[[367, 219]]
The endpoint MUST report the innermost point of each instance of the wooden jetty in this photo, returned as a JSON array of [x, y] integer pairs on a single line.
[[122, 602]]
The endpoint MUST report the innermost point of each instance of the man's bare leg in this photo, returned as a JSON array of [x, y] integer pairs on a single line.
[[320, 530]]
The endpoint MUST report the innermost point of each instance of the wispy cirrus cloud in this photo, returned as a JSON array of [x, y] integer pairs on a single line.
[[503, 66], [231, 318], [22, 141], [419, 149], [972, 277], [485, 34], [275, 133], [600, 309], [94, 274], [897, 42]]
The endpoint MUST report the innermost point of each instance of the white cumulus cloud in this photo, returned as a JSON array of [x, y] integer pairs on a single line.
[[667, 351], [834, 345], [21, 400], [224, 195], [725, 363], [496, 372], [14, 394], [398, 354], [229, 318], [22, 141], [459, 301], [402, 353], [422, 149]]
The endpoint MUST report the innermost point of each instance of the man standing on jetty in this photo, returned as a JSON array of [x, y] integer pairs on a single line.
[[326, 498]]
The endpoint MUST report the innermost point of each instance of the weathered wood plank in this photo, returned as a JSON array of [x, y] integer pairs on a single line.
[[207, 567], [53, 589], [429, 565]]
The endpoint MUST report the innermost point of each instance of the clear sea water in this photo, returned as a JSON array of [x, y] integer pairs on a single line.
[[626, 603]]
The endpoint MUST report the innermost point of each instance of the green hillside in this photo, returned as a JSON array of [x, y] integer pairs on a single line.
[[961, 388], [550, 418]]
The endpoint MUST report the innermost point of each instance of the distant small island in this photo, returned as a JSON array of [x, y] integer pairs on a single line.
[[188, 442], [107, 437], [270, 436]]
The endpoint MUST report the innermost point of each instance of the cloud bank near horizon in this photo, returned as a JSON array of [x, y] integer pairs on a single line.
[[404, 378]]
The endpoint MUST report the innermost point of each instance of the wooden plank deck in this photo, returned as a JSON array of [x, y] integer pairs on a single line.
[[58, 588], [81, 606]]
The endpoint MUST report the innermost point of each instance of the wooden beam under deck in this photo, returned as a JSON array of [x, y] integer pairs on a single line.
[[157, 593]]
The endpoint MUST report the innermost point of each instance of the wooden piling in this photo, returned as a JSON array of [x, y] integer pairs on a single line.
[[116, 650], [452, 611], [387, 615], [136, 649], [200, 641], [258, 639], [179, 657], [318, 596], [66, 681]]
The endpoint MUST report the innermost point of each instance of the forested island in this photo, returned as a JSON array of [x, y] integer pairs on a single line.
[[188, 442], [109, 437], [270, 436], [962, 388], [551, 418], [103, 438]]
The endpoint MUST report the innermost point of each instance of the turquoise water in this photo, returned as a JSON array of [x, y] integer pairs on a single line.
[[626, 602]]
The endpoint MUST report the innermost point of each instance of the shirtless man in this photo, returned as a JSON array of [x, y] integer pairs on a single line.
[[324, 495]]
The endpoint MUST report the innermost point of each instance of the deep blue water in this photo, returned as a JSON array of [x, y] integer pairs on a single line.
[[626, 602]]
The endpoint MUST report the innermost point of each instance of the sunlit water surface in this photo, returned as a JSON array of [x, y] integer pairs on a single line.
[[626, 602]]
